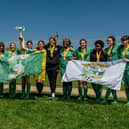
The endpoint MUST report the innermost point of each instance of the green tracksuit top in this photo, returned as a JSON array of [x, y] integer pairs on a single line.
[[120, 51], [64, 58], [28, 51], [10, 54], [113, 54], [78, 52]]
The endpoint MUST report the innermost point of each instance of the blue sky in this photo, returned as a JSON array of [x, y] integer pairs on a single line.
[[75, 19]]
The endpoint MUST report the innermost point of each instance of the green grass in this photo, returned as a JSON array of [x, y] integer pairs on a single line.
[[42, 113]]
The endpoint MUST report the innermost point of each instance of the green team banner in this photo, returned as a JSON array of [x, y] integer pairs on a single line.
[[104, 73], [20, 65]]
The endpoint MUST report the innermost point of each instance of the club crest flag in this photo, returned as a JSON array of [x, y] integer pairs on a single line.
[[19, 66], [109, 74]]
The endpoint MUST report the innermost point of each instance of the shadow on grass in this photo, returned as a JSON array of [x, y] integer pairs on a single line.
[[59, 97]]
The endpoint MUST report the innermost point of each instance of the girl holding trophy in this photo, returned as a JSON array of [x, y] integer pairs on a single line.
[[25, 79]]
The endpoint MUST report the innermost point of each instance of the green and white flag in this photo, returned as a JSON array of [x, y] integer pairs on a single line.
[[105, 73], [20, 65]]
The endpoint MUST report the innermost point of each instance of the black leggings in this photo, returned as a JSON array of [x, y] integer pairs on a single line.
[[52, 76]]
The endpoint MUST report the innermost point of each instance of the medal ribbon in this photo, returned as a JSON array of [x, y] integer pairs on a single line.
[[66, 52], [98, 55], [52, 48], [83, 53], [110, 53], [125, 50]]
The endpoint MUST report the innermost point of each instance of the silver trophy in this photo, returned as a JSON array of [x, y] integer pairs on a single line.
[[20, 29]]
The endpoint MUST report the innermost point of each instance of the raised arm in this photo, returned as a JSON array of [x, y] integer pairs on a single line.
[[22, 42], [56, 37]]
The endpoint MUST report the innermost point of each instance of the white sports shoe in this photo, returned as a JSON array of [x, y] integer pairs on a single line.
[[53, 96]]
